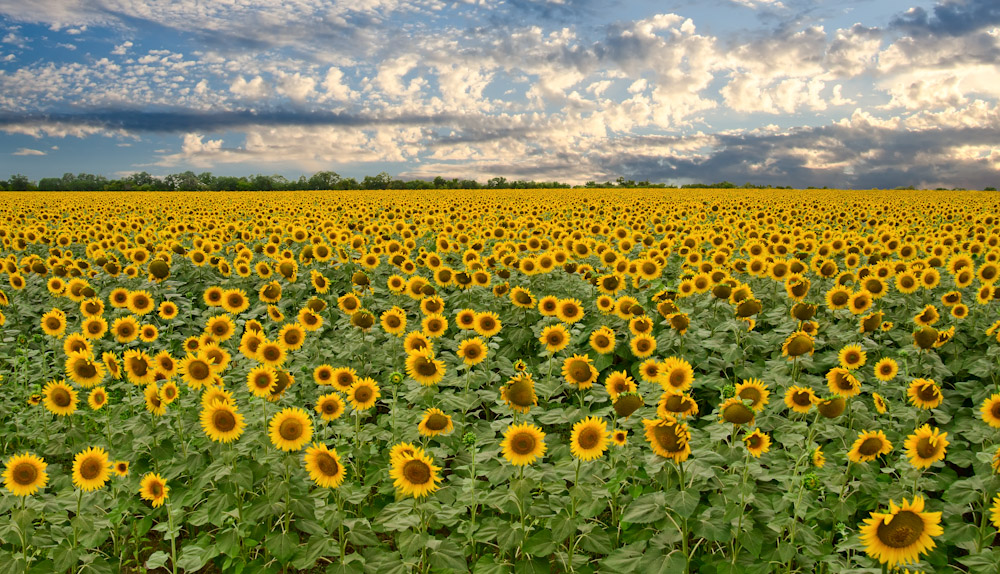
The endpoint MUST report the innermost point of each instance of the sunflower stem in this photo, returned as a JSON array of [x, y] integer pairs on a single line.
[[340, 528], [173, 539], [22, 535]]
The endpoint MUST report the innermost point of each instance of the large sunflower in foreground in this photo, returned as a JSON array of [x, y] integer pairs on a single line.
[[414, 474], [91, 469], [589, 438], [154, 489], [522, 444], [901, 535], [221, 422], [990, 410], [926, 446], [290, 429], [25, 474], [323, 465]]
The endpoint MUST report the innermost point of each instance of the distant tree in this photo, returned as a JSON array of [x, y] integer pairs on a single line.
[[324, 180], [989, 189], [19, 182]]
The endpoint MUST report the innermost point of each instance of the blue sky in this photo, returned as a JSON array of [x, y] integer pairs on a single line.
[[879, 93]]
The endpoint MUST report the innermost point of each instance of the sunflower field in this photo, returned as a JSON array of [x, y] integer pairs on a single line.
[[713, 381]]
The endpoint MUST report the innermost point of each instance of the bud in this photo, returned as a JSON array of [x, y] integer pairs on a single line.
[[469, 439]]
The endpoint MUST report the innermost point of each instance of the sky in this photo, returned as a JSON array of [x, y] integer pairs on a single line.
[[846, 94]]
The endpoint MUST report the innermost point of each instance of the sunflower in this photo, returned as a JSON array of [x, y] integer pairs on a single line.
[[283, 381], [272, 353], [487, 323], [818, 458], [547, 305], [578, 371], [125, 329], [309, 319], [995, 512], [522, 297], [797, 344], [330, 406], [290, 429], [154, 489], [343, 378], [859, 302], [523, 444], [91, 469], [924, 393], [435, 422], [990, 410], [838, 297], [167, 310], [97, 398], [269, 293], [25, 474], [602, 340], [220, 327], [466, 319], [235, 301], [734, 411], [196, 370], [757, 443], [619, 437], [832, 407], [886, 369], [120, 468], [901, 535], [363, 394], [926, 338], [324, 467], [619, 382], [154, 402], [589, 438], [755, 391], [869, 446], [94, 327], [414, 474], [54, 323], [642, 345], [676, 405], [842, 382], [221, 422], [852, 357], [434, 325], [473, 351], [880, 404], [926, 446], [569, 310], [424, 368], [60, 398], [519, 393], [927, 317], [84, 370], [431, 305], [212, 394], [668, 438], [111, 363], [555, 338], [675, 375], [393, 321], [261, 380]]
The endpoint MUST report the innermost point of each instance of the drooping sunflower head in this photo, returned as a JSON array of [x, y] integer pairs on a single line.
[[832, 407], [519, 393], [797, 344], [668, 438], [734, 411]]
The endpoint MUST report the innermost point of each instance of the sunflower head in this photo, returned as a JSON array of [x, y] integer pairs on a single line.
[[324, 467], [668, 438], [901, 535], [578, 371], [91, 469], [519, 393], [290, 429], [589, 438], [24, 474], [414, 474], [523, 444], [735, 411], [869, 446]]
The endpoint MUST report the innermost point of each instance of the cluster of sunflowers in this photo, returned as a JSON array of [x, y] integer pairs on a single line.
[[494, 355]]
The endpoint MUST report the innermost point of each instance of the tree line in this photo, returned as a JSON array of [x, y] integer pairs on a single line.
[[322, 180]]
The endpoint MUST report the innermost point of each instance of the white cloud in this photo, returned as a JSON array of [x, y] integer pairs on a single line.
[[255, 89], [296, 87], [29, 151], [122, 49]]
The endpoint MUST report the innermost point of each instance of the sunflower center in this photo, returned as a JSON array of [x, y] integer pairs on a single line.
[[156, 489], [392, 321], [90, 468], [843, 382], [995, 410], [579, 371], [326, 464], [487, 324], [329, 407], [434, 325], [290, 429], [85, 369], [472, 351], [520, 394], [589, 438], [839, 298], [437, 422], [601, 341], [925, 449], [235, 301], [523, 444], [426, 367], [620, 386], [262, 381], [871, 446], [53, 323], [928, 393], [223, 421], [751, 394], [416, 472], [642, 345], [199, 370], [362, 395], [738, 414], [25, 474], [271, 353], [885, 370], [220, 328], [570, 310], [60, 397], [755, 441], [852, 358], [903, 530], [666, 438], [677, 378], [345, 379]]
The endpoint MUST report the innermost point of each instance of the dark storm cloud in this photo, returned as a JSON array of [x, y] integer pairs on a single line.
[[193, 121], [950, 18]]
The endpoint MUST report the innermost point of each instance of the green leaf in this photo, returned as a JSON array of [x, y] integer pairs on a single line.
[[282, 545], [64, 557], [625, 559], [645, 509], [157, 559], [685, 502]]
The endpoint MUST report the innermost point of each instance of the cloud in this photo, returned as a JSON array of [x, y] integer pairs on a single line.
[[29, 151], [122, 49], [950, 18]]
